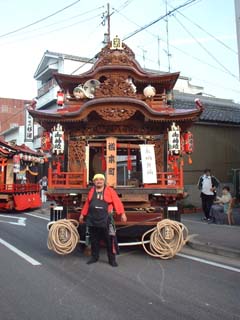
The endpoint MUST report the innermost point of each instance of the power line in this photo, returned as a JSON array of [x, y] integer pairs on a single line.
[[205, 49], [40, 20], [208, 33], [60, 21], [158, 19], [172, 46]]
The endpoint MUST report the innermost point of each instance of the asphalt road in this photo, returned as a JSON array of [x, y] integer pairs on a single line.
[[43, 285]]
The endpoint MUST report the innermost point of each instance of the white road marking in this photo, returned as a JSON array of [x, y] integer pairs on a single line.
[[211, 263], [20, 253], [20, 220], [219, 265], [36, 216]]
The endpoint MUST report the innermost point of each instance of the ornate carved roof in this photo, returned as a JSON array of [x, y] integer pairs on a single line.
[[119, 94]]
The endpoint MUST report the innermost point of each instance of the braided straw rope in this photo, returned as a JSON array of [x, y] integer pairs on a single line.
[[166, 239], [63, 236]]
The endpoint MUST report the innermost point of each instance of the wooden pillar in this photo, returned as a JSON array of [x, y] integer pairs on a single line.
[[111, 161]]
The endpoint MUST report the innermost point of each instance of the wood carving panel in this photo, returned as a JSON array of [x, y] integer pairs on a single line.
[[115, 113], [115, 87], [76, 155]]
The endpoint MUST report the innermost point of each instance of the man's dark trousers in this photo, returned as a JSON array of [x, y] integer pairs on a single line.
[[96, 235], [207, 202]]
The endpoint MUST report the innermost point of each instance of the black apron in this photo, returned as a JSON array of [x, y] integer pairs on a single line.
[[98, 212]]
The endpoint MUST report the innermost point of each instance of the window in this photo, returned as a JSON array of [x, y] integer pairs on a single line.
[[4, 108]]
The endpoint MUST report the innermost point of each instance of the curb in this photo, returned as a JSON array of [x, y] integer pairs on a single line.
[[211, 248]]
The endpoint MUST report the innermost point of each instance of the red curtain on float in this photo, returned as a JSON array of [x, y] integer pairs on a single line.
[[27, 201]]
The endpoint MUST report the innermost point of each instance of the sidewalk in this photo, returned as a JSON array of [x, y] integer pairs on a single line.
[[218, 239]]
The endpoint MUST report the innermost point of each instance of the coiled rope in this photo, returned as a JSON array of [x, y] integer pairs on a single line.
[[166, 239], [63, 236]]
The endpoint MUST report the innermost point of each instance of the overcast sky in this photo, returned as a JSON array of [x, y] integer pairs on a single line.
[[202, 39]]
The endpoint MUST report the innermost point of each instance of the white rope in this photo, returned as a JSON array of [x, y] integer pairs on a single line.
[[166, 239]]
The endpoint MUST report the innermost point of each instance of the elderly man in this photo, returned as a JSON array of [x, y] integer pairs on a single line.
[[100, 202]]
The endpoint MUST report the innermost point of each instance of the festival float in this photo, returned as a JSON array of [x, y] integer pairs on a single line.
[[19, 175], [118, 119]]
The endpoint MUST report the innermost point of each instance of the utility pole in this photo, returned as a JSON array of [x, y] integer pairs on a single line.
[[237, 13], [168, 53], [106, 17]]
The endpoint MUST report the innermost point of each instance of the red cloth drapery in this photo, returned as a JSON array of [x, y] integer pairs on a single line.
[[27, 201]]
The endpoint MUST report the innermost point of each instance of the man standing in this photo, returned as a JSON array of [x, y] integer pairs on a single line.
[[44, 186], [208, 185], [97, 209]]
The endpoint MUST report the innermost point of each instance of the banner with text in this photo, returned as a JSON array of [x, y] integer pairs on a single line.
[[149, 172]]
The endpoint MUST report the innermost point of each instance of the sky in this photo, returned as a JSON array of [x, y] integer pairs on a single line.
[[199, 40]]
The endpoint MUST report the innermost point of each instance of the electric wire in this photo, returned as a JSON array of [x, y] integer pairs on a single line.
[[158, 19], [39, 20], [58, 22], [208, 33], [54, 30], [182, 51], [205, 49]]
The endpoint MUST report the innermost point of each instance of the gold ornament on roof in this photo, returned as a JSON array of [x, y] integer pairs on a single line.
[[116, 44]]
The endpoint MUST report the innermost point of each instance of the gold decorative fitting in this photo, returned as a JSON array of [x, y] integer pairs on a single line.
[[116, 44]]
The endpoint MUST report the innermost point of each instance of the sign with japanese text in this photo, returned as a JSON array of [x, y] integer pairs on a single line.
[[174, 140], [149, 172], [57, 139], [29, 127], [111, 161]]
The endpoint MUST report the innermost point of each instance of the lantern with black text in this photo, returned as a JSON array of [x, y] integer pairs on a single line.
[[57, 139], [174, 142], [60, 98]]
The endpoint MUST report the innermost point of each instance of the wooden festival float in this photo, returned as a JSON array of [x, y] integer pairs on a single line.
[[120, 120], [19, 175]]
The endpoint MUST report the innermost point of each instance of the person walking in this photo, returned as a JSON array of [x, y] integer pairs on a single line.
[[44, 186], [101, 201], [207, 184]]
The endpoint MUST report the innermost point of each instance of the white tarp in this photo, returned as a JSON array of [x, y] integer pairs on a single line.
[[149, 172]]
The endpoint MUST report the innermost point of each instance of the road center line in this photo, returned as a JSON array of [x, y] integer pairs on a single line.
[[215, 264], [20, 253]]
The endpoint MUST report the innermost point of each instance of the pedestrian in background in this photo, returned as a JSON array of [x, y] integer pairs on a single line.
[[98, 209], [44, 186], [221, 206], [207, 184]]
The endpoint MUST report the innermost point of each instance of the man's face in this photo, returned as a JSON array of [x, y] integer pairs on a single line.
[[99, 183], [208, 173]]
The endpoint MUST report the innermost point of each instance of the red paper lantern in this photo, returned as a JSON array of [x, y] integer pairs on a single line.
[[188, 142], [60, 98]]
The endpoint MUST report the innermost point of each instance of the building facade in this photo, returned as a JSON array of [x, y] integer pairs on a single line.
[[12, 112]]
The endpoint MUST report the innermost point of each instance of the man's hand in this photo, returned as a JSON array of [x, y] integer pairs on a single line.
[[124, 217], [81, 218]]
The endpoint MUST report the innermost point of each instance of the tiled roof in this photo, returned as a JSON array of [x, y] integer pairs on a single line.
[[215, 110]]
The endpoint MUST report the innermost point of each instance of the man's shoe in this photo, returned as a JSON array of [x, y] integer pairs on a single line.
[[92, 260], [113, 263]]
